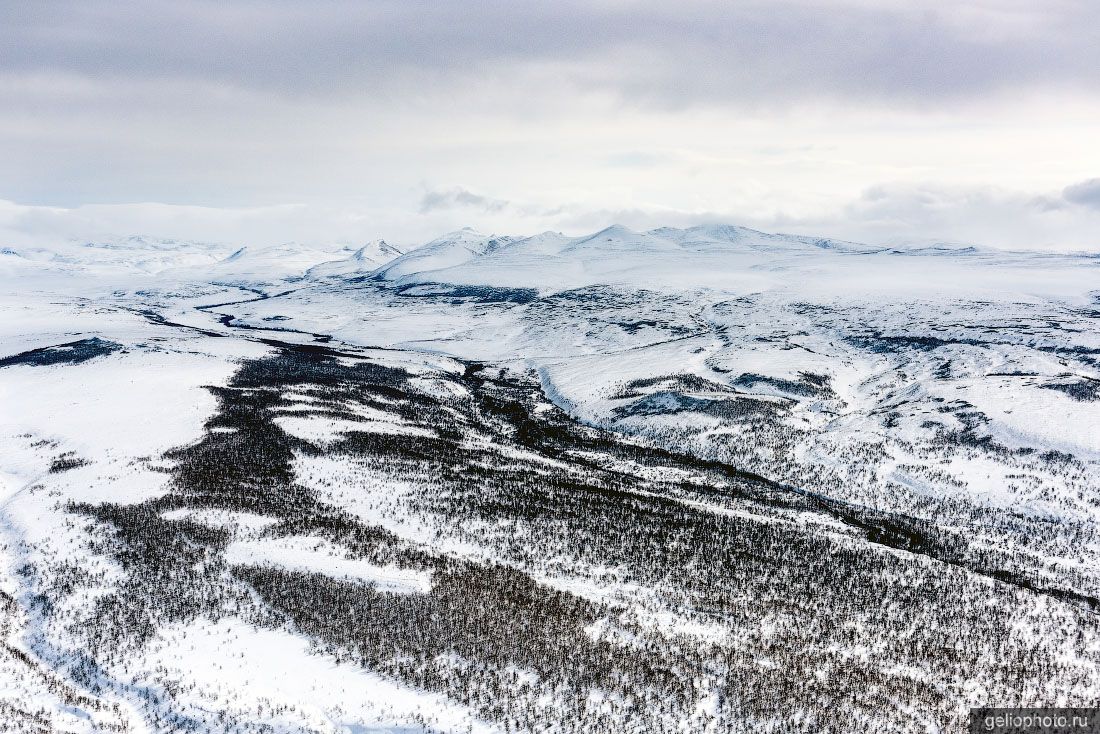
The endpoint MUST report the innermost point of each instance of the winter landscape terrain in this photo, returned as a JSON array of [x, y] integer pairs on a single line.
[[683, 480]]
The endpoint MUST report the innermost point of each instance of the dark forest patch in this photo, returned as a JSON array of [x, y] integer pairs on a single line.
[[468, 293], [808, 385], [1080, 390], [68, 353]]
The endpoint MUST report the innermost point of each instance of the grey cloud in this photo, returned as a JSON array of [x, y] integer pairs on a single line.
[[981, 215], [459, 198], [1085, 193], [669, 54]]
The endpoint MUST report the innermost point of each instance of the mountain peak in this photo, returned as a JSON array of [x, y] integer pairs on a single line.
[[377, 251]]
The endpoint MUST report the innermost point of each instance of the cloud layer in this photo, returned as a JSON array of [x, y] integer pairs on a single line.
[[878, 118], [691, 52]]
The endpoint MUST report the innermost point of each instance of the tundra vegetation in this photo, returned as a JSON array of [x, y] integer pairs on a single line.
[[579, 581]]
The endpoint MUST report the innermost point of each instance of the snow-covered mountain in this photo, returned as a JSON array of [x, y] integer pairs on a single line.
[[448, 251], [684, 480], [667, 258], [363, 261]]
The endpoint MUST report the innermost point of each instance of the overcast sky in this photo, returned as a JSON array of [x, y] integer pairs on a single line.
[[321, 120]]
